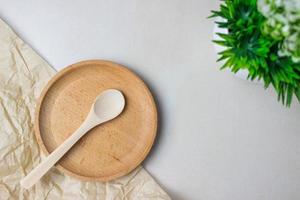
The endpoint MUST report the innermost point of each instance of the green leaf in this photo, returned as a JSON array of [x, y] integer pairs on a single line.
[[221, 42], [297, 93], [290, 91]]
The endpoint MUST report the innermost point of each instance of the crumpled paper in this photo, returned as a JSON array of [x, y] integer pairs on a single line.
[[23, 74]]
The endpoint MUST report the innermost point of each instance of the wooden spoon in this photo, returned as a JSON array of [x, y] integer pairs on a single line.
[[108, 105]]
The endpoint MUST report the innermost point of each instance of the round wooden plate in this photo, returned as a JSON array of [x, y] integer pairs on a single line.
[[109, 150]]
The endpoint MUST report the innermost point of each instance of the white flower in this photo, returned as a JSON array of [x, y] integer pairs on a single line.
[[283, 23]]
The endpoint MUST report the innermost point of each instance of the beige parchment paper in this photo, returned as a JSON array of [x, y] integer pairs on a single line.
[[23, 74]]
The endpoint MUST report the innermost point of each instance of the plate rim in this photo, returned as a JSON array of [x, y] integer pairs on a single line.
[[41, 98]]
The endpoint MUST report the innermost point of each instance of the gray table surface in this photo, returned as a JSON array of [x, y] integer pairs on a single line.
[[220, 137]]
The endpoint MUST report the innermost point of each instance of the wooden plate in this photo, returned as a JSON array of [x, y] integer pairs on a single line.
[[112, 149]]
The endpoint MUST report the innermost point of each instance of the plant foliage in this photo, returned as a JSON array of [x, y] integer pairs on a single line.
[[247, 47]]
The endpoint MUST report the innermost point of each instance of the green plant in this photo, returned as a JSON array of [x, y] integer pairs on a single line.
[[247, 47]]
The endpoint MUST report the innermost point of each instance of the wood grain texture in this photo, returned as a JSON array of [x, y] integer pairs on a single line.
[[110, 150]]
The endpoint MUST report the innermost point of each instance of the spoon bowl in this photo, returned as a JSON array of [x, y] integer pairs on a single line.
[[109, 104]]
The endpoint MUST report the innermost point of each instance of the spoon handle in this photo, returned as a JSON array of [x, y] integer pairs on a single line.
[[45, 165]]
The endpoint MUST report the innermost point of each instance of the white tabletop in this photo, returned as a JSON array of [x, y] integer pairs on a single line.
[[220, 137]]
